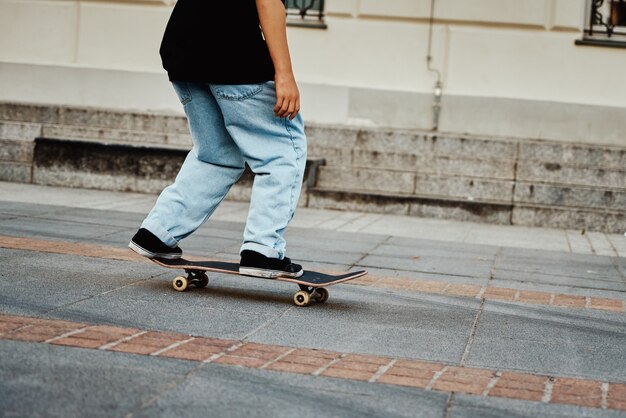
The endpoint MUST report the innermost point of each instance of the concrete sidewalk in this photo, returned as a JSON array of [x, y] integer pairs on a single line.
[[454, 319], [573, 241]]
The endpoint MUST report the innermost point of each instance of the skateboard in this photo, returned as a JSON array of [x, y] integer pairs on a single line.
[[312, 283]]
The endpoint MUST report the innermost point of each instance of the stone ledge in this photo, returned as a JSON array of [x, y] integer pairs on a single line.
[[484, 211], [442, 207], [124, 167]]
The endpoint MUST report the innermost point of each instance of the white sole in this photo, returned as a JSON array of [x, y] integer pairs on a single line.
[[145, 253], [268, 274]]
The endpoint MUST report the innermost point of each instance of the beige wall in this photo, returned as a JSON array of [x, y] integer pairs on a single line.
[[514, 50]]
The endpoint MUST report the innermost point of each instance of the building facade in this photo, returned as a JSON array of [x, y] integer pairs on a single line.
[[512, 68]]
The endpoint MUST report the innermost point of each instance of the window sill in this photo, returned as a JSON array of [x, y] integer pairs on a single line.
[[601, 42]]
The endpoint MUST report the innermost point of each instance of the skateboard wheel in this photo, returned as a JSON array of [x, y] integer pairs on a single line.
[[301, 298], [203, 280], [180, 283], [322, 295]]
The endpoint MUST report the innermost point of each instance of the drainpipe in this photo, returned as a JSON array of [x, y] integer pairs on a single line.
[[438, 84]]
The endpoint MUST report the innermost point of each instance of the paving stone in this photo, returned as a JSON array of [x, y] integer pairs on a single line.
[[227, 391], [418, 277], [53, 229], [411, 247], [558, 264], [39, 282], [64, 380], [491, 407], [613, 222], [551, 341], [426, 264], [549, 286], [388, 324]]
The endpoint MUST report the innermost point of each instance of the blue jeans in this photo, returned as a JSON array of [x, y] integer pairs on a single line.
[[231, 125]]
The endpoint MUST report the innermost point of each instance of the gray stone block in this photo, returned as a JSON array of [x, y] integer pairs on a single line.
[[331, 136], [60, 177], [112, 159], [613, 222], [572, 196], [579, 155], [398, 141], [344, 200], [419, 143], [179, 140], [337, 157], [463, 211], [496, 169], [114, 119], [428, 163], [27, 112], [477, 146], [19, 131], [365, 179], [16, 172], [387, 160], [16, 151], [555, 172], [468, 188], [102, 134]]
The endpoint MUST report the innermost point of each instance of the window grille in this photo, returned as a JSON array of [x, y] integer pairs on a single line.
[[309, 13], [605, 23]]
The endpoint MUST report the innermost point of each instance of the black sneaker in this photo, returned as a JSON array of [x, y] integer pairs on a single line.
[[147, 244], [258, 265]]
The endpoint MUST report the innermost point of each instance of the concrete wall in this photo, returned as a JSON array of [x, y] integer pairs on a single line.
[[508, 67]]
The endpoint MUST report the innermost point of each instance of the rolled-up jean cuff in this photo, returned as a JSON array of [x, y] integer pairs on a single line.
[[262, 249], [160, 232]]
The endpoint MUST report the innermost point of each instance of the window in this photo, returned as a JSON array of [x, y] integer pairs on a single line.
[[309, 13], [605, 23]]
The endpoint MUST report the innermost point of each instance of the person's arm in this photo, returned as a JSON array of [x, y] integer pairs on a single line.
[[273, 23]]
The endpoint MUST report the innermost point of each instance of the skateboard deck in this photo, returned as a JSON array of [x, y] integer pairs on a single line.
[[312, 283]]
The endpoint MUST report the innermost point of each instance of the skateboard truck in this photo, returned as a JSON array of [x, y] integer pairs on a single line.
[[194, 277]]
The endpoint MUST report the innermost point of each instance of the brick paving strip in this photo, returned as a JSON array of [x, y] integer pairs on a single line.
[[368, 368], [412, 285]]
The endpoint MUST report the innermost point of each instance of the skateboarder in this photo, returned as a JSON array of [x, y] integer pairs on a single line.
[[230, 66]]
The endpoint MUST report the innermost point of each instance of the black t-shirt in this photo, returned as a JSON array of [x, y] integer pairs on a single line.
[[216, 41]]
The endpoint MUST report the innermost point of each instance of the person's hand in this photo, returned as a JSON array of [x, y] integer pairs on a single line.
[[287, 96]]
